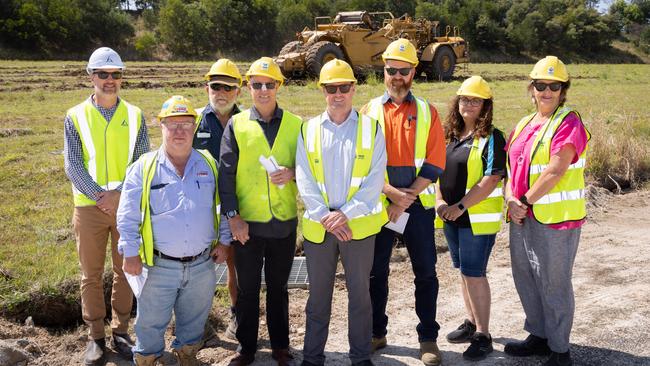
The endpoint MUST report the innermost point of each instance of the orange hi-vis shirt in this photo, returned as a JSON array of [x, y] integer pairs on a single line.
[[400, 121]]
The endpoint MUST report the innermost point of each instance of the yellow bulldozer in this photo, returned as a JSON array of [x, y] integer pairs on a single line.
[[360, 38]]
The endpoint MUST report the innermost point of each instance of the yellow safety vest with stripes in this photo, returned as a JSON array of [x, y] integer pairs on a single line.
[[566, 201], [484, 217], [259, 199], [375, 110], [362, 226], [106, 154], [149, 164]]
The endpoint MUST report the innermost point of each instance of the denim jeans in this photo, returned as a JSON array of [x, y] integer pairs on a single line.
[[468, 252], [419, 239], [184, 288]]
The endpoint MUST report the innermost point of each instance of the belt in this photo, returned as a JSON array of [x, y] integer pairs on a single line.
[[181, 259]]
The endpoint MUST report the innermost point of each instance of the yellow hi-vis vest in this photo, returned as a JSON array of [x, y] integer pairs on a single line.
[[484, 217], [259, 199], [108, 147], [375, 110], [149, 164], [566, 201], [361, 226]]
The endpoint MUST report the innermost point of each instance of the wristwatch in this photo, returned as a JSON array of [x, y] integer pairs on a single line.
[[461, 206], [232, 213], [524, 200]]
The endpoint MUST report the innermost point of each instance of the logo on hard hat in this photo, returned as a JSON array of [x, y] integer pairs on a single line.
[[165, 105], [551, 70], [108, 59], [265, 65], [402, 47], [180, 108]]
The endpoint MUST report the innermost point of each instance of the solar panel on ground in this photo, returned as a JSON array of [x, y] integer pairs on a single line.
[[297, 278]]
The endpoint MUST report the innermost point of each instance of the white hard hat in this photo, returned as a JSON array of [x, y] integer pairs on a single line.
[[104, 58]]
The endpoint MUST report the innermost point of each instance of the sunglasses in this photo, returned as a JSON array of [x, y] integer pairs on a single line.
[[116, 75], [218, 87], [404, 71], [331, 89], [183, 126], [263, 86], [540, 87], [467, 101]]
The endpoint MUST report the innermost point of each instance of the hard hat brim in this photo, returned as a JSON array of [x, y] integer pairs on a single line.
[[547, 77], [397, 58], [474, 95], [338, 80], [223, 79]]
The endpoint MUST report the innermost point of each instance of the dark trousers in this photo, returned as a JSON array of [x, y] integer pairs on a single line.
[[277, 257], [419, 238]]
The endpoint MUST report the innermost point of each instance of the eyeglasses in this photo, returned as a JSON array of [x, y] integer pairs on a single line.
[[331, 89], [263, 86], [475, 102], [183, 126], [218, 87], [116, 75], [404, 71], [540, 87]]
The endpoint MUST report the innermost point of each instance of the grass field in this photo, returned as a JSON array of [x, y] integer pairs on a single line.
[[37, 250]]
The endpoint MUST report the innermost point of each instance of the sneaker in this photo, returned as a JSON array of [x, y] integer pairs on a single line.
[[95, 354], [377, 343], [430, 354], [532, 345], [123, 345], [463, 333], [231, 331], [480, 347], [559, 359]]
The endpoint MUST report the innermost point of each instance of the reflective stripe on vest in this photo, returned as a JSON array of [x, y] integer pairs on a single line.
[[259, 199], [375, 110], [105, 157], [149, 164], [362, 226], [566, 200], [485, 217]]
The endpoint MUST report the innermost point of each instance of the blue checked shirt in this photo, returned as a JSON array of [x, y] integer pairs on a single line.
[[73, 152]]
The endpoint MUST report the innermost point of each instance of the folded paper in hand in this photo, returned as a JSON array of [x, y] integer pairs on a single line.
[[400, 224], [271, 165], [137, 282]]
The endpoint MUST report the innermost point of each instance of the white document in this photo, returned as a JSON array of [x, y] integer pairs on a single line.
[[400, 224], [137, 282], [270, 165]]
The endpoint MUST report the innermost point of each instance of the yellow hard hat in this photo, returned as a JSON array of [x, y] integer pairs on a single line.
[[228, 69], [401, 50], [336, 71], [550, 68], [265, 66], [176, 106], [475, 86]]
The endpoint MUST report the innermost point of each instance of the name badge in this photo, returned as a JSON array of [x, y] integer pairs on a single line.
[[203, 135]]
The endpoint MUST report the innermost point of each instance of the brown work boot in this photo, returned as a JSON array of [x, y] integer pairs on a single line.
[[186, 355], [283, 356], [242, 359], [430, 354], [141, 360], [377, 343]]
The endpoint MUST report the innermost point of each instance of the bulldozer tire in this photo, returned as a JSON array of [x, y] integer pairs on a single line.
[[319, 54], [444, 63], [292, 46]]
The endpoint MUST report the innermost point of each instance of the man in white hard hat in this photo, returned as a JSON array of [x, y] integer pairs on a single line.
[[169, 224], [223, 83], [102, 136], [340, 167]]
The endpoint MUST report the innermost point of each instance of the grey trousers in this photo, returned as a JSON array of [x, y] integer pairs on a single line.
[[357, 257], [542, 266]]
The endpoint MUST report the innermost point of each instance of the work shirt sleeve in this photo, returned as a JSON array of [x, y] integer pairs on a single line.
[[307, 186], [225, 236], [141, 146], [570, 132], [74, 162], [129, 217], [229, 157], [434, 163], [367, 197]]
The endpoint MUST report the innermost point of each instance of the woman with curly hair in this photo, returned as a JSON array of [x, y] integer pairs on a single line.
[[470, 202]]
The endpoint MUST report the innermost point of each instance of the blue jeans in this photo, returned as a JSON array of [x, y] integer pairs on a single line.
[[184, 288], [469, 252], [420, 244]]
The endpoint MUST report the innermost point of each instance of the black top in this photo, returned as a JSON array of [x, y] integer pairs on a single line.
[[208, 134], [453, 181], [229, 156]]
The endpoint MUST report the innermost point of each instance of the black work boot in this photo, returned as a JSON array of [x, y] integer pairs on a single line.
[[480, 347], [95, 354], [463, 334], [123, 345], [559, 359], [532, 345]]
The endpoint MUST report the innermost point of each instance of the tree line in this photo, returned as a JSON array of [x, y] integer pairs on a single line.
[[203, 29]]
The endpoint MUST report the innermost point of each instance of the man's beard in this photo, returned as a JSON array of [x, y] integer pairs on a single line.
[[225, 110], [400, 87]]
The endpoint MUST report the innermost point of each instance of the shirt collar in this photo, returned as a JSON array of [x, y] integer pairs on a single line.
[[277, 114], [386, 97], [352, 118], [92, 101], [164, 160]]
